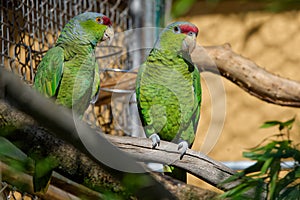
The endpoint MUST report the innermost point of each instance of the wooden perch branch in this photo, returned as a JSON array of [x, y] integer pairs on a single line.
[[201, 166], [31, 137], [74, 161], [62, 125], [76, 166], [238, 69]]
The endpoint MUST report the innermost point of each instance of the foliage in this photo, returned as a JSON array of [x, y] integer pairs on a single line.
[[265, 179], [14, 157], [181, 7]]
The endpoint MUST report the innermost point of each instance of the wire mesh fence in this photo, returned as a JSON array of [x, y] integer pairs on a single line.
[[28, 28]]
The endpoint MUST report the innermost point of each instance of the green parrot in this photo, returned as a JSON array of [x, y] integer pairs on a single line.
[[168, 89], [69, 73]]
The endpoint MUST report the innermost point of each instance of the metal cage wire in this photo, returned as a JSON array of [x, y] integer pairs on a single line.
[[28, 28]]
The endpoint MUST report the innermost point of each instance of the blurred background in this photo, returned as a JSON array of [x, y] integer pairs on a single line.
[[267, 32]]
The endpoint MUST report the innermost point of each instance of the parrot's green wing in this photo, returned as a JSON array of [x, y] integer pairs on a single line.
[[198, 97], [96, 85], [47, 78], [138, 94], [46, 81]]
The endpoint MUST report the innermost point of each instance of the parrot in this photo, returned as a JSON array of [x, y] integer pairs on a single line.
[[168, 88], [69, 74]]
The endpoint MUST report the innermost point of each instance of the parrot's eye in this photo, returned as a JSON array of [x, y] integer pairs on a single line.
[[176, 29], [191, 33], [99, 20]]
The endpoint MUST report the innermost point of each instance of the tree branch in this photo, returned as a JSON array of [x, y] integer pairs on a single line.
[[248, 75], [78, 167], [238, 69], [203, 167], [74, 160], [60, 122]]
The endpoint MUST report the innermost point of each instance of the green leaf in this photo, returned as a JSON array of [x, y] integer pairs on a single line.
[[232, 178], [274, 172], [289, 123], [297, 172], [264, 174], [180, 7], [268, 124], [291, 193], [266, 165], [238, 190], [43, 172], [260, 188], [8, 149], [254, 168], [14, 157], [288, 178]]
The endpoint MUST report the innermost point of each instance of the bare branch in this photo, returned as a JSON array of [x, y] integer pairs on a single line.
[[248, 75]]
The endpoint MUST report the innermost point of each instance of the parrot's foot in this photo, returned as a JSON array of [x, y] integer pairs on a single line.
[[155, 140], [182, 148]]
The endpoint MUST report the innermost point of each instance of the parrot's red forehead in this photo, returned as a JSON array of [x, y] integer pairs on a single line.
[[106, 21], [186, 28]]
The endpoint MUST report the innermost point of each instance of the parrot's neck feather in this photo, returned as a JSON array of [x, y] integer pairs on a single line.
[[73, 36], [170, 54]]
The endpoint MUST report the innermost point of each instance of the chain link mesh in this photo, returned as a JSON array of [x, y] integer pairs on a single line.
[[28, 28]]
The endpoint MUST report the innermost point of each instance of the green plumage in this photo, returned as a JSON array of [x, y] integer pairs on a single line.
[[169, 96], [69, 71], [168, 90]]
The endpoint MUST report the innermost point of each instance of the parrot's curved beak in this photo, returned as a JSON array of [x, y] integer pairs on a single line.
[[189, 43], [108, 34]]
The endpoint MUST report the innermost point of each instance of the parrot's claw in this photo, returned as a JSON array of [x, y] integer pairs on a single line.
[[155, 140], [182, 148]]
